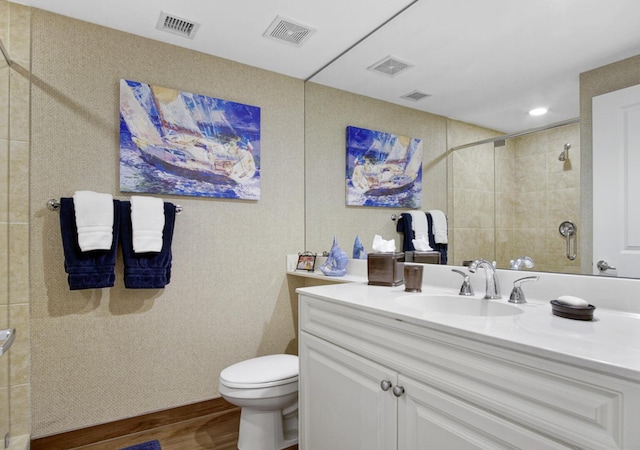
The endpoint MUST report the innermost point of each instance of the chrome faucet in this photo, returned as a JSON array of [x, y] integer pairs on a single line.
[[492, 289], [528, 263]]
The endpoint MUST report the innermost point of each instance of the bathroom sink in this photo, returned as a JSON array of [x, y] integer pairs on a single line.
[[456, 305]]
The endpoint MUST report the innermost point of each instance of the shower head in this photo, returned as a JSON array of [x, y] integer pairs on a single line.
[[565, 153]]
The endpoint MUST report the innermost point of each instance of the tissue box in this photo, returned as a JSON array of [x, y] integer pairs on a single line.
[[423, 257], [385, 269]]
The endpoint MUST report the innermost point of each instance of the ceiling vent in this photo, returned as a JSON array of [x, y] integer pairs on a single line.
[[286, 30], [176, 25], [390, 66], [415, 96]]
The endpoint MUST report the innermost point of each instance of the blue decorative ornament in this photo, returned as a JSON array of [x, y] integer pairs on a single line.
[[358, 249], [336, 263]]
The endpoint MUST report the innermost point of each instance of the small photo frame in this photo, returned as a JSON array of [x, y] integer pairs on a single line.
[[306, 261]]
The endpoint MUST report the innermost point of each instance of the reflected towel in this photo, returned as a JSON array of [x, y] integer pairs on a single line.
[[440, 234], [419, 225], [94, 220], [151, 270], [87, 270], [147, 222]]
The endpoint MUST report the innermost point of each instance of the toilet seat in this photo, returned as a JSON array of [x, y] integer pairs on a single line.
[[261, 372]]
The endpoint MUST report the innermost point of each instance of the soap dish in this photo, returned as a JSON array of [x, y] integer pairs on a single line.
[[572, 312]]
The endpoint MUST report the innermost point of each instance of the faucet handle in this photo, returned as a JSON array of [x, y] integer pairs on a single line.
[[526, 260], [466, 288], [517, 294]]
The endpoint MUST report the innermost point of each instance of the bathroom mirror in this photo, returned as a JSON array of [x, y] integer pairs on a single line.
[[502, 231]]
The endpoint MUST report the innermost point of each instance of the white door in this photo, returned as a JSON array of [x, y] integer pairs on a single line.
[[616, 182], [342, 404]]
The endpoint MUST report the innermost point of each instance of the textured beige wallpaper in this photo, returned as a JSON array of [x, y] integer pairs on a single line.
[[102, 355]]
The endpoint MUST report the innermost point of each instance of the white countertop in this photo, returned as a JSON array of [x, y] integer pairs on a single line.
[[609, 344]]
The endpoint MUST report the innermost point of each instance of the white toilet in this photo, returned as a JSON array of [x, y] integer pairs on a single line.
[[266, 388]]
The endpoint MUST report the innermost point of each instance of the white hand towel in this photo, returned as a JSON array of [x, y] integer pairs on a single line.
[[94, 220], [147, 223], [421, 245], [420, 225], [440, 234]]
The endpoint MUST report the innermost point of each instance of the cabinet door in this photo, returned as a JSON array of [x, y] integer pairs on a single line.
[[342, 403], [429, 418]]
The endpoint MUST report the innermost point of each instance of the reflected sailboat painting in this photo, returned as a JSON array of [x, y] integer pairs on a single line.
[[383, 169], [179, 143]]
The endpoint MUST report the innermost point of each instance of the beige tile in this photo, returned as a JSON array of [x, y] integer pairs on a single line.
[[20, 415], [4, 403], [4, 361], [4, 266], [505, 251], [536, 143], [4, 100], [473, 243], [4, 22], [19, 355], [19, 100], [19, 182], [473, 168], [19, 32], [475, 208], [4, 180], [530, 173], [505, 209], [530, 209], [563, 204], [18, 263]]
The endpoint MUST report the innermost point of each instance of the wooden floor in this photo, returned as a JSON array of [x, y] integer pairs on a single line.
[[217, 430]]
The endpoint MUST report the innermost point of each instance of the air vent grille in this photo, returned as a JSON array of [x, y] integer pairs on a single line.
[[177, 25], [286, 30], [415, 96], [390, 66]]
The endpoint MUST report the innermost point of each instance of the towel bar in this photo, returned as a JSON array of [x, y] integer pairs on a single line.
[[54, 205]]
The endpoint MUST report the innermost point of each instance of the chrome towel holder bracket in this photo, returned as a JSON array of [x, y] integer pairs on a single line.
[[54, 205]]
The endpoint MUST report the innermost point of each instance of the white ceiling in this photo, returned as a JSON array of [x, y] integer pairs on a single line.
[[482, 61]]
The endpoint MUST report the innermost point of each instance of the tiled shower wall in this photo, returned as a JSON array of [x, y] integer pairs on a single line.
[[14, 221], [516, 196]]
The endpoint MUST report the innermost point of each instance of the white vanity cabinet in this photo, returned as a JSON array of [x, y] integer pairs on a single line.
[[373, 381]]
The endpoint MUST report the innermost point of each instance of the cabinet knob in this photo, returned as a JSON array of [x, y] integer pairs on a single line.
[[398, 391], [385, 385]]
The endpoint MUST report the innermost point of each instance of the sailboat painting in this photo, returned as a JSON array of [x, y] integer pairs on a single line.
[[383, 169], [178, 143]]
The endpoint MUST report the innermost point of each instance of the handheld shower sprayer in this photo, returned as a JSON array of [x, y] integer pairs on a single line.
[[565, 153]]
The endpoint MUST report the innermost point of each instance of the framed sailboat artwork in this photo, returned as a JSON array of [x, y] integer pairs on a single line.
[[383, 169], [179, 143]]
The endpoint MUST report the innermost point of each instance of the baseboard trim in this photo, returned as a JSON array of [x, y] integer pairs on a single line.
[[111, 430]]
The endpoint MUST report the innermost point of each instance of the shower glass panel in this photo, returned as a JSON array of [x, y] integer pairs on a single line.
[[4, 241], [473, 200]]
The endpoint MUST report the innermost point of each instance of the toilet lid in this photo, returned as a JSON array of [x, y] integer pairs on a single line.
[[271, 370]]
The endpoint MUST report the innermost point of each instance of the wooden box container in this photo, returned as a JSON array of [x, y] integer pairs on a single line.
[[426, 257], [385, 269]]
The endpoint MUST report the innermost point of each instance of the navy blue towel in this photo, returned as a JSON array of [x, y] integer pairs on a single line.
[[146, 270], [150, 445], [87, 270]]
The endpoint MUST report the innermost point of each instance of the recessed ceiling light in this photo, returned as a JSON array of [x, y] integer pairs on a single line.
[[538, 111]]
